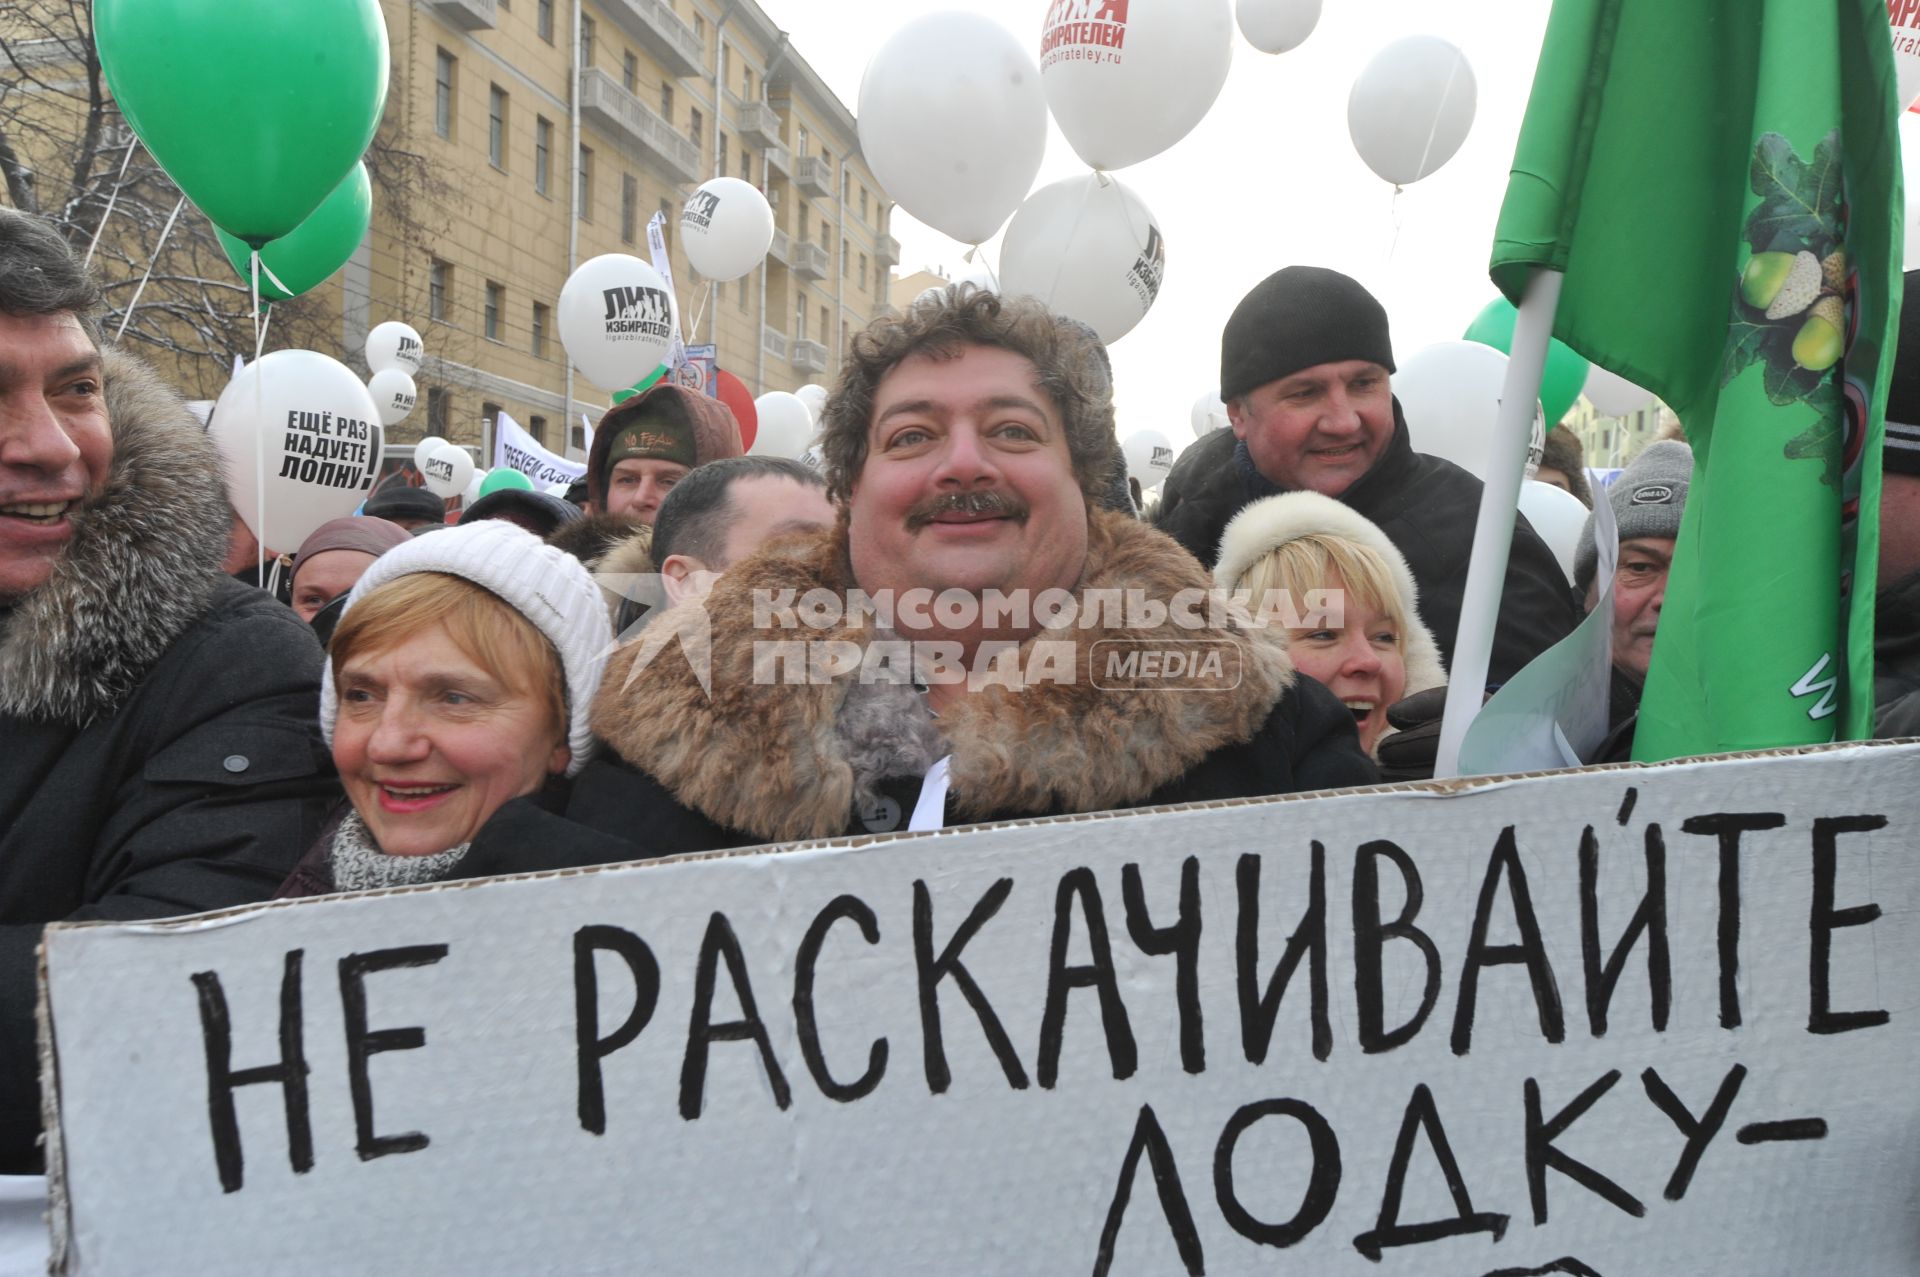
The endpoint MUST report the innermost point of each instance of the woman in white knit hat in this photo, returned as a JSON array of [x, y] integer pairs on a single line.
[[1374, 650], [455, 701]]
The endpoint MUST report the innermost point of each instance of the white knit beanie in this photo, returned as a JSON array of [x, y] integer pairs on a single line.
[[549, 587]]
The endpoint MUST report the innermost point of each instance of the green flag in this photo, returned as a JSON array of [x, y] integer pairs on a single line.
[[1719, 182]]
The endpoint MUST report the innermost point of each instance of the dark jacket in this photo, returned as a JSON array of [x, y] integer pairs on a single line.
[[762, 760], [1896, 659], [526, 835], [1427, 507], [162, 750]]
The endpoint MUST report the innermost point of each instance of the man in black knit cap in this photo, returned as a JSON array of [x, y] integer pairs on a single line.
[[1304, 367], [1896, 637]]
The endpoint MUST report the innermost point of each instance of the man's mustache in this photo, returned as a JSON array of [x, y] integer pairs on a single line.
[[985, 503]]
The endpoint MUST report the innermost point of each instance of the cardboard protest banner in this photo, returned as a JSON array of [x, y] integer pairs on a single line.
[[1626, 1021], [515, 449]]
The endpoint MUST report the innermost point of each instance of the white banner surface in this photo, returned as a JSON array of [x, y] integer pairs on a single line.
[[1629, 1021], [515, 449]]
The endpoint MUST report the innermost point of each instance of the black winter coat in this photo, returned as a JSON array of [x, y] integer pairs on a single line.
[[1427, 507], [162, 747], [1308, 742]]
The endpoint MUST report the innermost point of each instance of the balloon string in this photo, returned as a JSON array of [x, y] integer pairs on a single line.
[[1080, 215], [1433, 130], [273, 279], [694, 328], [1399, 219], [113, 197], [165, 231], [259, 434]]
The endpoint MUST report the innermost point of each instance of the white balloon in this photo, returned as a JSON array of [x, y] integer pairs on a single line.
[[1411, 107], [425, 449], [785, 426], [394, 394], [1275, 26], [1557, 516], [814, 397], [1450, 393], [617, 320], [1209, 414], [814, 459], [1536, 441], [448, 471], [1613, 395], [1127, 81], [953, 122], [1089, 248], [471, 493], [304, 426], [394, 345], [1906, 56], [726, 228], [1150, 457]]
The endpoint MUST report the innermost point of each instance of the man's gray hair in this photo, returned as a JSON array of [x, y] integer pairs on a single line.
[[39, 275]]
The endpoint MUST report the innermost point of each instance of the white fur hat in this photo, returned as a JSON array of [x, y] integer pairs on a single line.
[[1266, 525], [549, 587]]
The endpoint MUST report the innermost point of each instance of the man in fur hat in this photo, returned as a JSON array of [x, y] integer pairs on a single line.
[[1305, 362], [162, 754], [967, 445]]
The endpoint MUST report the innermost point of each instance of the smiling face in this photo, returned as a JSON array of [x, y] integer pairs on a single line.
[[1362, 661], [967, 483], [55, 445], [1319, 429], [429, 744]]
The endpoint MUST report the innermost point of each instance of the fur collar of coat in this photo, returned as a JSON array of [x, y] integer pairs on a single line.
[[1271, 522], [141, 566], [784, 762]]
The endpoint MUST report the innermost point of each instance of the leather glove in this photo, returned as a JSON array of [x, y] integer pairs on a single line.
[[1409, 752]]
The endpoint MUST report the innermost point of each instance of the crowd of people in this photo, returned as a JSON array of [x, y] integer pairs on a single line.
[[961, 619]]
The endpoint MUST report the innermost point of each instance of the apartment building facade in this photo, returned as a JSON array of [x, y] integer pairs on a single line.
[[523, 187]]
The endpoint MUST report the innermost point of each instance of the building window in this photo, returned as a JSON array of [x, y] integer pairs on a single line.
[[629, 206], [630, 72], [846, 187], [826, 237], [863, 272], [804, 210], [726, 62], [743, 290], [746, 165], [721, 167], [746, 83], [539, 331], [666, 103], [586, 41], [584, 209], [804, 140], [542, 154], [800, 319], [439, 284], [543, 20], [489, 418], [700, 29], [443, 65], [696, 126], [496, 302], [863, 203], [438, 410], [537, 427], [497, 126], [826, 323], [846, 259]]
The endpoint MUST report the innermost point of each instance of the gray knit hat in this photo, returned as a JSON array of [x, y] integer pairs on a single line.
[[1297, 318], [1647, 499]]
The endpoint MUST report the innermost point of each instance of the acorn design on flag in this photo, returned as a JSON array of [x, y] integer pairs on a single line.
[[1793, 308]]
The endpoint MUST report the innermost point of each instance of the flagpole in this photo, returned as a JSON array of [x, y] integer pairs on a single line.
[[1499, 503]]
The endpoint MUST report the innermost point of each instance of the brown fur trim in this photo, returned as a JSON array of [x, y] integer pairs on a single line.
[[768, 759]]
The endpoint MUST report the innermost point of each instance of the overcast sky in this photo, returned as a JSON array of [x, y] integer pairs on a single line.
[[1269, 178]]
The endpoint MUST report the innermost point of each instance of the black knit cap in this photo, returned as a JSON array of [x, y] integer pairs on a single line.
[[1901, 455], [1296, 318]]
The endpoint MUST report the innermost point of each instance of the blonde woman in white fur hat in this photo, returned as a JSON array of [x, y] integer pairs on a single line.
[[1378, 652], [455, 701]]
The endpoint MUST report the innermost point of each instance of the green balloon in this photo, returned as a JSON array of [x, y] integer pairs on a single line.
[[255, 108], [645, 383], [502, 478], [313, 250], [1565, 375]]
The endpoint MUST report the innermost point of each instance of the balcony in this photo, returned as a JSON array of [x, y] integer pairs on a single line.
[[809, 261], [774, 342], [887, 249], [809, 356], [605, 103], [813, 175], [468, 15], [778, 160], [657, 29], [781, 250], [759, 124]]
